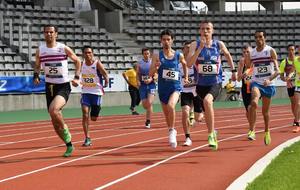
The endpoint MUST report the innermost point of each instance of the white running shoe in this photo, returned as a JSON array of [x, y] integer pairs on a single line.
[[172, 138], [148, 126], [188, 142]]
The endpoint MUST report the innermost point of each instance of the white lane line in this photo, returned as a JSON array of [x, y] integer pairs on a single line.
[[76, 142], [78, 121], [107, 129], [91, 131], [259, 166], [171, 158], [99, 153], [104, 121]]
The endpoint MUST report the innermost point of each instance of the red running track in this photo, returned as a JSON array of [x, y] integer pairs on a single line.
[[125, 156]]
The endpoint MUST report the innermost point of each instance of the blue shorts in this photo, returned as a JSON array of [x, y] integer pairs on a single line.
[[146, 89], [266, 91], [164, 95], [92, 101]]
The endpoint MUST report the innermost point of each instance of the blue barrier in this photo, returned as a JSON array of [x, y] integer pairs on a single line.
[[20, 85]]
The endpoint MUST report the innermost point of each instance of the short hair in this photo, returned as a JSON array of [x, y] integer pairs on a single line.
[[261, 30], [206, 22], [145, 49], [187, 42], [86, 47], [167, 32], [51, 25], [290, 45], [246, 46]]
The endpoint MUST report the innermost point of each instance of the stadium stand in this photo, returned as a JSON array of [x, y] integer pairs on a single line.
[[25, 22], [235, 29]]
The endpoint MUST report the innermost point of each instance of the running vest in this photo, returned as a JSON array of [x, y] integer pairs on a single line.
[[168, 73], [246, 82], [144, 67], [263, 66], [90, 79], [55, 63], [209, 64], [287, 66], [297, 67], [192, 79]]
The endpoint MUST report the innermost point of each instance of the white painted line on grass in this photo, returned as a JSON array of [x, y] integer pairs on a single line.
[[258, 167]]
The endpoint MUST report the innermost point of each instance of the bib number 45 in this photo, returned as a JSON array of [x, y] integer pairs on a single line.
[[169, 74]]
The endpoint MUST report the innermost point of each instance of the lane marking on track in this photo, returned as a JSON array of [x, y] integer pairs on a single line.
[[173, 157], [114, 149], [104, 122], [110, 129]]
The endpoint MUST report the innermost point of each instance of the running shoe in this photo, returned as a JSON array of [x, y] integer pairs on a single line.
[[191, 119], [296, 130], [67, 135], [147, 125], [69, 151], [172, 138], [135, 113], [188, 142], [267, 138], [87, 142], [251, 135], [295, 123], [212, 140]]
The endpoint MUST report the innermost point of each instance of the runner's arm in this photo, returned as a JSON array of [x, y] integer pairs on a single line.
[[75, 59], [37, 68], [276, 69], [103, 72], [240, 70]]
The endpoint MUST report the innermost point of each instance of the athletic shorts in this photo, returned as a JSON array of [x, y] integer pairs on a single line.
[[188, 99], [266, 91], [53, 90], [146, 89], [92, 101], [246, 98], [214, 90], [164, 95], [291, 91]]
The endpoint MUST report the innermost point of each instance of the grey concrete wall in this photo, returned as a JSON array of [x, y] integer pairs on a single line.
[[90, 16], [114, 21], [58, 3], [38, 101]]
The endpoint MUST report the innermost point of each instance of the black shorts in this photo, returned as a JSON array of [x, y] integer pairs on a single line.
[[53, 90], [246, 98], [188, 99], [291, 91], [214, 90]]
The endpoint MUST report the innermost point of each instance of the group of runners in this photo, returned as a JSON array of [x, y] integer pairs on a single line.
[[194, 75]]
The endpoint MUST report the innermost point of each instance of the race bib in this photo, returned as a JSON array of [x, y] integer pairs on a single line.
[[248, 78], [262, 70], [208, 69], [53, 70], [171, 75], [88, 80], [190, 83]]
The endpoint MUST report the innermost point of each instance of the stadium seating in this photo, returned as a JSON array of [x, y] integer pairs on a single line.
[[72, 31], [235, 29]]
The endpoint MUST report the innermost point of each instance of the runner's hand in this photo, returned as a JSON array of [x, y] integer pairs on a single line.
[[75, 82], [267, 82], [233, 76], [36, 81]]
